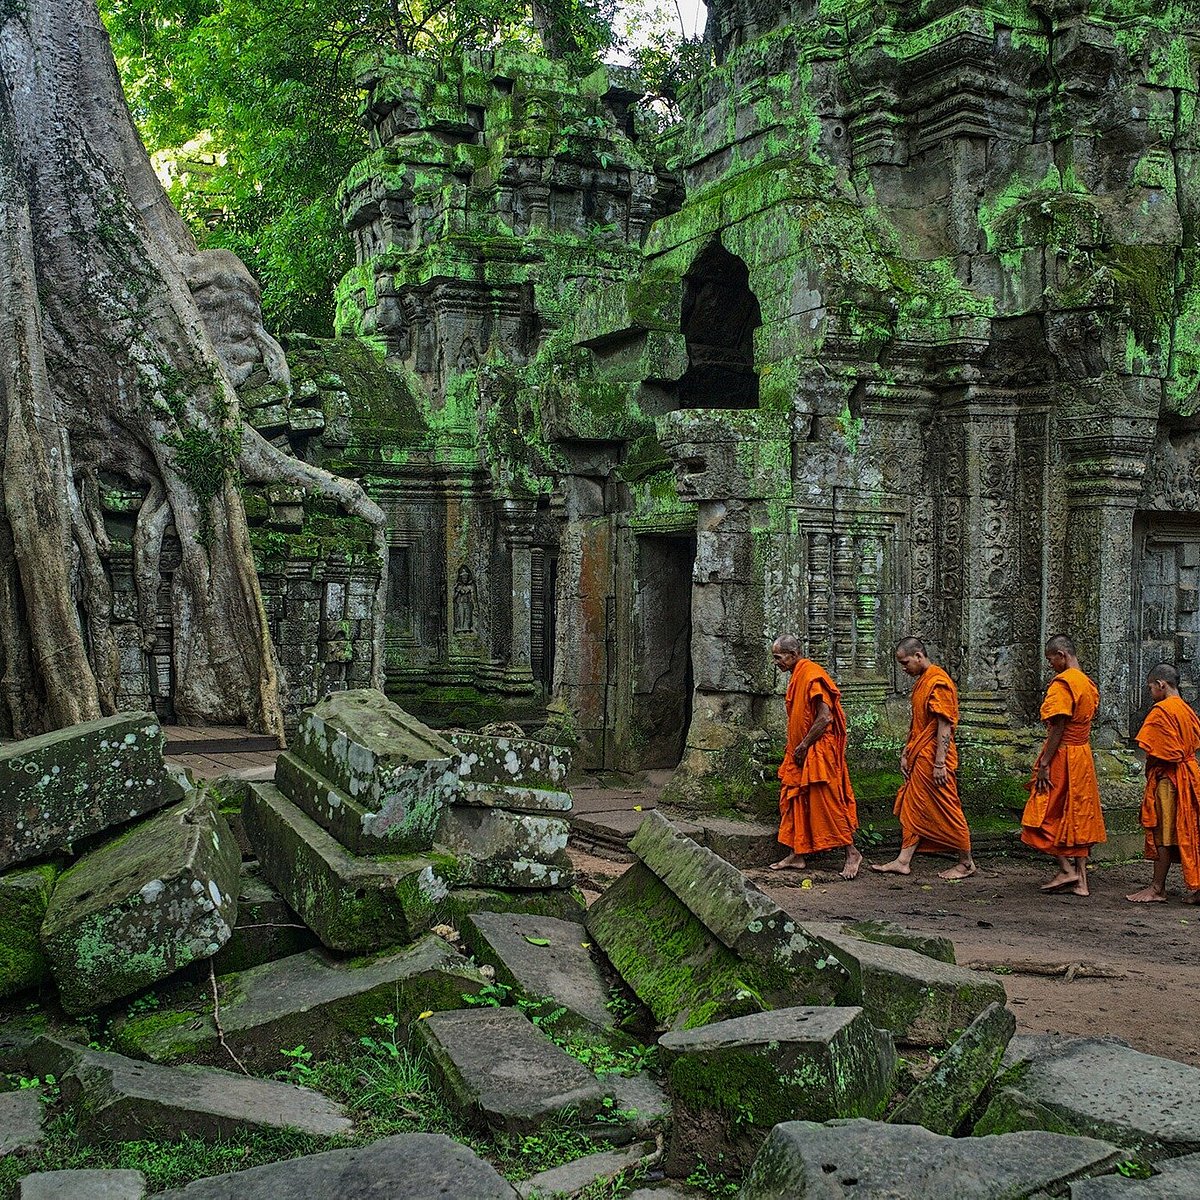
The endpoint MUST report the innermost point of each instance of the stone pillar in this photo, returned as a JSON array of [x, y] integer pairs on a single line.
[[1106, 459], [517, 518]]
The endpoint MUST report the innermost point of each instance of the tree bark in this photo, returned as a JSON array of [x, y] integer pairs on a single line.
[[121, 344]]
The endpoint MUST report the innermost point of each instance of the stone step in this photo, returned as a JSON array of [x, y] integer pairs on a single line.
[[63, 787], [352, 903], [585, 1175], [119, 1099], [497, 1069], [495, 848], [142, 906], [84, 1185], [310, 999], [20, 1121]]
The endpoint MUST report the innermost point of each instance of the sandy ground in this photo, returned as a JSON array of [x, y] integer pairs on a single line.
[[1146, 956]]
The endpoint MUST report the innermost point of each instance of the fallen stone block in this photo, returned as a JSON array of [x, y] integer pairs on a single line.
[[869, 1160], [591, 1171], [687, 976], [495, 848], [120, 1099], [642, 1102], [732, 1081], [564, 903], [890, 934], [408, 1166], [729, 906], [266, 927], [84, 1185], [20, 1121], [496, 1068], [1147, 1105], [353, 904], [1177, 1179], [24, 897], [920, 1000], [62, 787], [140, 907], [942, 1101], [392, 768], [512, 797], [543, 957], [509, 760], [310, 999]]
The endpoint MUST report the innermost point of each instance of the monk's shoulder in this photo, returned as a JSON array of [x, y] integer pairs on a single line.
[[1059, 700]]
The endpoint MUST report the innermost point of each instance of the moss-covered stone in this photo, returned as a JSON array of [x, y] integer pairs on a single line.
[[24, 896]]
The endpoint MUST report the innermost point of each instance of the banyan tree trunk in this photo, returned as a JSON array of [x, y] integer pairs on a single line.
[[120, 345]]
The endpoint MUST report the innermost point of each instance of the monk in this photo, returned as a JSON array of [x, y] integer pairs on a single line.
[[1170, 736], [817, 810], [930, 812], [1062, 816]]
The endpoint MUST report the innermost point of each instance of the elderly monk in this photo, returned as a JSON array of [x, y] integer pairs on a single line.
[[1170, 736], [816, 802], [930, 812], [1062, 816]]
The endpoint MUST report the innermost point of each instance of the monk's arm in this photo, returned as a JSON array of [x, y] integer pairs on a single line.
[[940, 749], [821, 722], [1057, 727]]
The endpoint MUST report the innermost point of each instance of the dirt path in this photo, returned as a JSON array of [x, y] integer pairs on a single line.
[[1000, 917]]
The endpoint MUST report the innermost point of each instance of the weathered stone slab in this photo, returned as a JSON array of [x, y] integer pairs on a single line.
[[682, 972], [1178, 1179], [84, 1185], [309, 998], [121, 1099], [869, 1160], [353, 904], [565, 904], [142, 906], [1101, 1088], [497, 1068], [729, 906], [942, 1101], [62, 787], [508, 760], [732, 1081], [24, 897], [495, 848], [517, 799], [919, 1000], [266, 927], [588, 1172], [543, 957], [890, 934], [20, 1120], [394, 768], [409, 1166]]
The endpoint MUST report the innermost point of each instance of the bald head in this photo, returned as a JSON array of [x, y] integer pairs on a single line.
[[1059, 643], [1164, 673], [788, 643], [910, 645]]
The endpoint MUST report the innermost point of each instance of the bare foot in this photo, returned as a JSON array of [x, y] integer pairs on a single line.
[[1188, 898], [1080, 889], [1061, 880], [895, 867], [1149, 896], [962, 870], [853, 862], [793, 862]]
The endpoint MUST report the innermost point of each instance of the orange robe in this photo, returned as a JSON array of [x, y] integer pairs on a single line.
[[816, 802], [931, 815], [1067, 820], [1171, 734]]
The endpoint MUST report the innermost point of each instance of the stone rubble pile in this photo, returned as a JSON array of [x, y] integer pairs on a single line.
[[773, 1046]]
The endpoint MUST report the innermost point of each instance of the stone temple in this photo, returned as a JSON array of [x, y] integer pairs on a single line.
[[897, 331]]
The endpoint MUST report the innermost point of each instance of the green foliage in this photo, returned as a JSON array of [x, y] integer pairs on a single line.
[[711, 1182], [205, 460]]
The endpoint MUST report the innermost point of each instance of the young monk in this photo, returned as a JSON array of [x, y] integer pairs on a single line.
[[1062, 816], [817, 810], [930, 812], [1170, 736]]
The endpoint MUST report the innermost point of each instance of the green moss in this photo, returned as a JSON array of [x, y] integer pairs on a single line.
[[150, 1035], [24, 895]]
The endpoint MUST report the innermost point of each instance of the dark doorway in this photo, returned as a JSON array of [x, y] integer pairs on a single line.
[[718, 320], [662, 689], [543, 583]]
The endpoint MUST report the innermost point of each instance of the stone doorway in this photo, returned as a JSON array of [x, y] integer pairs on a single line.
[[662, 676], [1166, 605]]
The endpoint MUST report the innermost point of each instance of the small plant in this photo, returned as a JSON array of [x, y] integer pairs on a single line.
[[301, 1070], [869, 836], [1134, 1168], [712, 1182], [388, 1046], [491, 995]]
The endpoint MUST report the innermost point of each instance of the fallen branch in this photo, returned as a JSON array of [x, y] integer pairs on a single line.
[[212, 978], [1068, 971]]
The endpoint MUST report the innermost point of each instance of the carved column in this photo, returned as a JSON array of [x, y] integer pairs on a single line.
[[517, 517], [1106, 460]]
